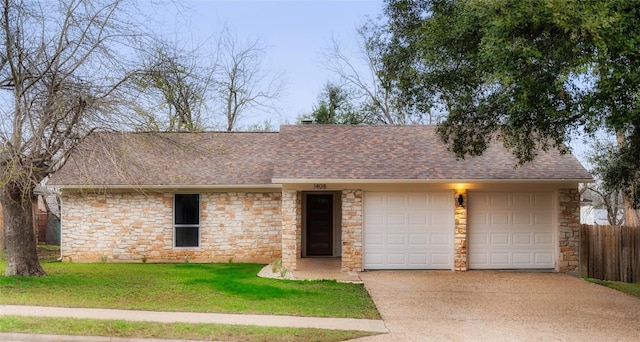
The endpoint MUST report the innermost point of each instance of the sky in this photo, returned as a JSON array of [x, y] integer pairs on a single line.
[[295, 35]]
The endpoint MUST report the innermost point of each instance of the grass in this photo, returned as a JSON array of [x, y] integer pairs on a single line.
[[628, 288], [222, 288], [211, 332]]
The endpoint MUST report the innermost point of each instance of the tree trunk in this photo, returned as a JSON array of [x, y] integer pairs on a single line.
[[630, 214], [2, 244], [22, 255]]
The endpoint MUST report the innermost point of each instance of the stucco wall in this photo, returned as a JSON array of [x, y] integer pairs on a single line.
[[129, 227]]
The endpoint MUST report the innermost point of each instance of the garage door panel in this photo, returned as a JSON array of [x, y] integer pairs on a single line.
[[497, 200], [479, 239], [498, 218], [374, 258], [416, 233], [395, 219], [522, 259], [374, 219], [499, 239], [418, 258], [418, 239], [395, 239], [499, 259], [439, 218], [543, 239], [521, 200], [543, 201], [396, 258], [439, 201], [522, 217], [543, 218], [443, 240], [417, 201], [543, 258], [519, 231], [375, 239], [442, 259], [394, 201], [521, 239], [418, 219]]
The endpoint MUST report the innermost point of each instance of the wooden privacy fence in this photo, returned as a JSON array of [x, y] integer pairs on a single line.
[[610, 253]]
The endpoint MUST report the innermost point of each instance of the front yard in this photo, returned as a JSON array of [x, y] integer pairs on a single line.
[[221, 288]]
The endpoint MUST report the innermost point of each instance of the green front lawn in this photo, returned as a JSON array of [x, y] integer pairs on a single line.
[[629, 288], [222, 288], [200, 332]]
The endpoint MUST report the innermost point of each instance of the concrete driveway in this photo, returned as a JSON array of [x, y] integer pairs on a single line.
[[499, 306]]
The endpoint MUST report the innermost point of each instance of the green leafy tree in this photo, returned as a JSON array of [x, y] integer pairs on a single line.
[[335, 106], [534, 73], [601, 160]]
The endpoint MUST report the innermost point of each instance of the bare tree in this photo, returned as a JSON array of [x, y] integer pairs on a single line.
[[177, 87], [379, 95], [240, 83], [62, 69]]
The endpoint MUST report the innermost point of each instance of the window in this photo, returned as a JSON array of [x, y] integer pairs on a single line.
[[186, 220]]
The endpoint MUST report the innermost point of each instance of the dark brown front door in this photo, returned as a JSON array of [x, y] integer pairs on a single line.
[[319, 222]]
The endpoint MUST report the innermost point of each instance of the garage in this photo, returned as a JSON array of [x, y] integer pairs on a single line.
[[408, 230], [511, 230]]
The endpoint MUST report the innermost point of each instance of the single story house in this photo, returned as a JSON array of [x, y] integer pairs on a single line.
[[378, 197]]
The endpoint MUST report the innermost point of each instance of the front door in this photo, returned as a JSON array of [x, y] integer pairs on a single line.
[[319, 223]]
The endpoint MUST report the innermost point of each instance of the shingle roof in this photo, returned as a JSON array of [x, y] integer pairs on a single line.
[[403, 152], [164, 159], [296, 154]]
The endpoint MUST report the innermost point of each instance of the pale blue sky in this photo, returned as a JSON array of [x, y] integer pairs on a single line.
[[295, 34]]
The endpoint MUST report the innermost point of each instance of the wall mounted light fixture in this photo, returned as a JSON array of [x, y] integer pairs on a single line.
[[460, 200]]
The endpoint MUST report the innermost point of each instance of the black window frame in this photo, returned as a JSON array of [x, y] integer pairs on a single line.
[[190, 221]]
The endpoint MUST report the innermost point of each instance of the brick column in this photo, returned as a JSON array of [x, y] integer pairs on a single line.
[[569, 230], [291, 228], [351, 230], [460, 233]]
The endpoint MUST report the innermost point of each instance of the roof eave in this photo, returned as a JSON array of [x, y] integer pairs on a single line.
[[426, 181], [166, 186]]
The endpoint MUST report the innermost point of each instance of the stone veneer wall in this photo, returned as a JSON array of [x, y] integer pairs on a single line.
[[460, 234], [569, 230], [291, 228], [237, 226], [351, 230]]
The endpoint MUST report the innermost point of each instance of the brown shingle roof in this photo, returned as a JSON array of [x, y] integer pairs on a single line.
[[163, 159], [296, 154], [402, 152]]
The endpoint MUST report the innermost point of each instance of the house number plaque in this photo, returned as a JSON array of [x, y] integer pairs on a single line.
[[320, 186]]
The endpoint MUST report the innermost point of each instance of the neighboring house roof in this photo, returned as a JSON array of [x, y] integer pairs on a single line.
[[415, 152], [170, 159], [300, 153]]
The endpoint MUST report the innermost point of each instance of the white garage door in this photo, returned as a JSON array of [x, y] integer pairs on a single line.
[[509, 230], [408, 230]]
